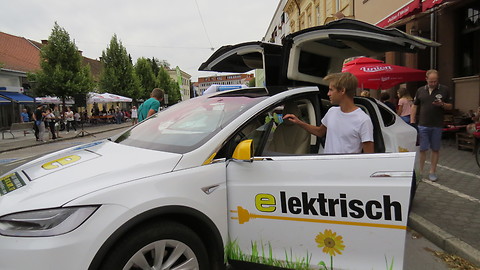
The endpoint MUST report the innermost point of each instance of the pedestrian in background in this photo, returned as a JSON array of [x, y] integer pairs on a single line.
[[50, 122], [69, 117], [24, 117], [151, 105], [39, 126], [134, 115], [58, 120], [385, 98], [405, 103], [432, 100], [365, 93]]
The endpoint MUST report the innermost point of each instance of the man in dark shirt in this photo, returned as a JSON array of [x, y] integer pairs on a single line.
[[433, 99]]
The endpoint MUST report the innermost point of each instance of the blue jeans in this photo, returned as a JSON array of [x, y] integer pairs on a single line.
[[430, 138]]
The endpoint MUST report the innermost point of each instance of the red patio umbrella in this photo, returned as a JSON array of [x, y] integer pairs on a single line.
[[375, 74]]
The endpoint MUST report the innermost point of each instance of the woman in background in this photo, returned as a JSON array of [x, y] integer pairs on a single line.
[[405, 103]]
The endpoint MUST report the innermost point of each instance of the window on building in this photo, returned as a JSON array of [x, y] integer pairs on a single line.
[[470, 41], [338, 5], [317, 15]]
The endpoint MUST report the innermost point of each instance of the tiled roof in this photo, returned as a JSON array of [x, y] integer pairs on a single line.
[[18, 53], [21, 54]]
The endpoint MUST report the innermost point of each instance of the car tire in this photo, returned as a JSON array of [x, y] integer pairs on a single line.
[[165, 245]]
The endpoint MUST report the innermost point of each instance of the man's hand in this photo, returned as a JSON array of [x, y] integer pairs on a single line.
[[292, 118]]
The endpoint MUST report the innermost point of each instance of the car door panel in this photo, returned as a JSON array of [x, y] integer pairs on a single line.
[[287, 208]]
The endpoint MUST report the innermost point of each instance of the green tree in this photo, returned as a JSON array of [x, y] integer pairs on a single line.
[[170, 87], [62, 73], [118, 76], [155, 66], [146, 77]]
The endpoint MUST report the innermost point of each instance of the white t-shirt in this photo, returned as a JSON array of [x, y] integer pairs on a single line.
[[346, 131], [69, 115], [134, 113]]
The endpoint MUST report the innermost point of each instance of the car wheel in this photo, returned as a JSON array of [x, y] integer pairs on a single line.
[[166, 245]]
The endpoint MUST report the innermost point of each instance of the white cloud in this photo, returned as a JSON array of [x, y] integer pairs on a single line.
[[165, 29]]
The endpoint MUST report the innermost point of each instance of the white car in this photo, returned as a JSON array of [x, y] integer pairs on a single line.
[[219, 178]]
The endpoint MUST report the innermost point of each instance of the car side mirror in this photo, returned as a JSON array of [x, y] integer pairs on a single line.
[[244, 150]]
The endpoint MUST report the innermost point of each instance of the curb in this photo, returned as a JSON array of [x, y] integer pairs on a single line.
[[443, 240], [62, 139]]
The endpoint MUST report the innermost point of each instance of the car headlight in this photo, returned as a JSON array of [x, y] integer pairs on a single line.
[[46, 222]]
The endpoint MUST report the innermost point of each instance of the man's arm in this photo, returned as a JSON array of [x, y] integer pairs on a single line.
[[150, 113], [368, 147], [315, 130], [413, 114]]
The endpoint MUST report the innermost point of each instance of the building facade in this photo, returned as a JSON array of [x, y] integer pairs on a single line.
[[232, 79], [18, 57], [279, 25], [183, 80], [308, 13]]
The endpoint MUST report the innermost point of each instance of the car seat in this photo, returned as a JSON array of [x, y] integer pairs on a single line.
[[288, 137]]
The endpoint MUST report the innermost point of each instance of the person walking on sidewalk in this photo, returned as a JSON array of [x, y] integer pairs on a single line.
[[151, 105], [433, 99], [70, 119]]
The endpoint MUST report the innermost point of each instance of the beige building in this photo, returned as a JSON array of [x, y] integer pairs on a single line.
[[183, 80], [308, 13]]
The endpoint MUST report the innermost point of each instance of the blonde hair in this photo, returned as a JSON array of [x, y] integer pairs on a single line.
[[431, 71], [343, 80], [365, 93]]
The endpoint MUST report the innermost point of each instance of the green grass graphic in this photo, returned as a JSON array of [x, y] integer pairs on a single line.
[[233, 252]]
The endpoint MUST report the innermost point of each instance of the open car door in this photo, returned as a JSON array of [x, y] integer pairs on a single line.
[[245, 57], [327, 211], [314, 52]]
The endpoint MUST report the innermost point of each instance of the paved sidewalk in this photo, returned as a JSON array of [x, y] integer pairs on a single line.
[[20, 141], [446, 212]]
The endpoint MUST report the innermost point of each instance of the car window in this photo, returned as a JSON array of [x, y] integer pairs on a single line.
[[187, 125], [271, 135]]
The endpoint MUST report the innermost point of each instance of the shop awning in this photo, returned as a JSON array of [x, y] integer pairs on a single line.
[[17, 97], [4, 101], [428, 4], [408, 9]]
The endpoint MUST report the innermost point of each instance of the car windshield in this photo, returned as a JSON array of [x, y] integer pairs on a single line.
[[189, 124]]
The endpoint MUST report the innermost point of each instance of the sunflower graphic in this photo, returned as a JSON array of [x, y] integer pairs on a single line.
[[330, 242]]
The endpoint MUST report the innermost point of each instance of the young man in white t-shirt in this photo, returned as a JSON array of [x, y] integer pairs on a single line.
[[348, 128]]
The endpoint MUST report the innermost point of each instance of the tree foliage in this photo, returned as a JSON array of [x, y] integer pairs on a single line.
[[146, 77], [170, 86], [118, 76], [154, 62], [62, 73]]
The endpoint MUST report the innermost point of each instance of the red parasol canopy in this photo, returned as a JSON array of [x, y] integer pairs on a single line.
[[375, 74]]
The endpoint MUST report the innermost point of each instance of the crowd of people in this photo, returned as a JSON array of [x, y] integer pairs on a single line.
[[54, 120]]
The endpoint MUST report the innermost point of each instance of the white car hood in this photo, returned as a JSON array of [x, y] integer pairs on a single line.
[[58, 178]]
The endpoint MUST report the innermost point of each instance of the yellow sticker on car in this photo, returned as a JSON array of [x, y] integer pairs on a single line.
[[10, 183], [60, 162]]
